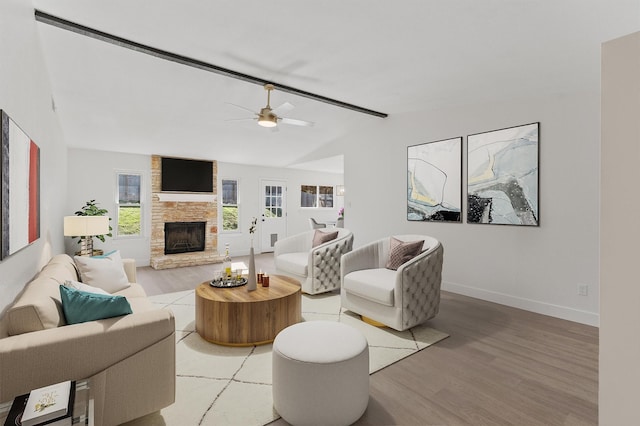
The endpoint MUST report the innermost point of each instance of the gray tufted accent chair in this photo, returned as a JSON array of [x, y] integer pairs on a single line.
[[315, 224], [398, 299], [317, 268]]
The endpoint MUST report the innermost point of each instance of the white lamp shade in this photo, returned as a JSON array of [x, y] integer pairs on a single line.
[[84, 226]]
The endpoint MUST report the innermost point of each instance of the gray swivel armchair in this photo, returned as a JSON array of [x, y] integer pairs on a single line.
[[400, 298], [316, 225], [317, 268]]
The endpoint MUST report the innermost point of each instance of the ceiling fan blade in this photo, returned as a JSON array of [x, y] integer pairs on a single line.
[[296, 122], [240, 119], [283, 109], [241, 107]]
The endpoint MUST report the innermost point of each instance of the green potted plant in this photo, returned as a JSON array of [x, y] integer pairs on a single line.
[[91, 209]]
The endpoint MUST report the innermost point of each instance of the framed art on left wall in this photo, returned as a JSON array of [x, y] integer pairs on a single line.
[[20, 192], [434, 176]]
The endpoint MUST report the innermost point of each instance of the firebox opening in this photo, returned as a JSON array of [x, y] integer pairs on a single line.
[[184, 237]]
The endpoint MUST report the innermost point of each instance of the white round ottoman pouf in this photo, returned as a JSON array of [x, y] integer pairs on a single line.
[[320, 373]]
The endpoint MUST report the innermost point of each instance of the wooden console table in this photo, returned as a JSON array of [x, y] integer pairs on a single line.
[[237, 317]]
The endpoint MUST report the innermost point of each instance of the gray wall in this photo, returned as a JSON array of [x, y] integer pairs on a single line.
[[535, 268], [25, 95], [620, 293]]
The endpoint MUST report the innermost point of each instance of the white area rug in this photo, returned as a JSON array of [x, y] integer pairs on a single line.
[[219, 385]]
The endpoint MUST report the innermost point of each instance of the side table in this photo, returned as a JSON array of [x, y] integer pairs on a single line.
[[83, 406]]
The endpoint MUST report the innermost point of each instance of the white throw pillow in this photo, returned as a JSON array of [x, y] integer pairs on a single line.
[[105, 272], [84, 287]]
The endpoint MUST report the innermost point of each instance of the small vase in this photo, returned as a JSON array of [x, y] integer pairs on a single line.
[[251, 279]]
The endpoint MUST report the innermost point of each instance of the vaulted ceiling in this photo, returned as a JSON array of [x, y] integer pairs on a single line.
[[391, 57]]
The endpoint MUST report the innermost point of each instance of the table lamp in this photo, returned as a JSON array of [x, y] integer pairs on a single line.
[[86, 227]]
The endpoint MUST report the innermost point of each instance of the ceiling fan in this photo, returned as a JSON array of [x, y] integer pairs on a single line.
[[270, 117]]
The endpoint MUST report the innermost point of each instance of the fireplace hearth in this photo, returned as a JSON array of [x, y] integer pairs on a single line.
[[184, 237]]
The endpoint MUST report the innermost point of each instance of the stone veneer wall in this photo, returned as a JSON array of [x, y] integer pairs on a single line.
[[182, 211]]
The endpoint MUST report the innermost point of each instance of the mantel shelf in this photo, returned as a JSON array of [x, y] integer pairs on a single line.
[[187, 197]]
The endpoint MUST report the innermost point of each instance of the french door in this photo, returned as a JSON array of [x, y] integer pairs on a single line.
[[274, 213]]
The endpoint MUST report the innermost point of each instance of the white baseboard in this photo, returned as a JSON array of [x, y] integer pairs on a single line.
[[563, 312]]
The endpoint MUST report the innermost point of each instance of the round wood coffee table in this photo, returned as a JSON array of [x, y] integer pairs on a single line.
[[237, 317]]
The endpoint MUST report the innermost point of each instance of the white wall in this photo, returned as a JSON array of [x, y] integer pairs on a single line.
[[93, 176], [25, 95], [250, 200], [620, 292], [535, 268]]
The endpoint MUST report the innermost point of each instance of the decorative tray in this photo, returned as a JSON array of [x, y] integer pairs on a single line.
[[227, 283]]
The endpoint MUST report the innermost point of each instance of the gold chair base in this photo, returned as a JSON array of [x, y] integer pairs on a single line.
[[372, 321]]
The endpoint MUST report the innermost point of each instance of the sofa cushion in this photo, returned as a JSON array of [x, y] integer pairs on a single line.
[[60, 268], [295, 263], [376, 285], [81, 306], [37, 308], [402, 251], [106, 272], [321, 237], [141, 304], [83, 287], [134, 291]]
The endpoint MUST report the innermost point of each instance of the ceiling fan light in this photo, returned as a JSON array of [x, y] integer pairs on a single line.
[[268, 121]]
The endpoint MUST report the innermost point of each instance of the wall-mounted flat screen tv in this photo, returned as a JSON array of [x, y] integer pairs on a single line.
[[182, 175]]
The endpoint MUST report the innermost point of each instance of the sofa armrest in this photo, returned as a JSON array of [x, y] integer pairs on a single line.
[[365, 257], [324, 263], [331, 251], [294, 244], [130, 269], [73, 352], [417, 286]]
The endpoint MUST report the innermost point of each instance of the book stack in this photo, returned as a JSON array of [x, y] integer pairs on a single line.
[[51, 405]]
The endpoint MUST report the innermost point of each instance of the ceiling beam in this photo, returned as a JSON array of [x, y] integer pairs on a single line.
[[45, 18]]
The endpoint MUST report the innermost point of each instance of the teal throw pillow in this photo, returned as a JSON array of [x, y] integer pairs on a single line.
[[81, 306]]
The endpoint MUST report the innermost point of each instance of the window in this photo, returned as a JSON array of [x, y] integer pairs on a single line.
[[325, 196], [129, 212], [273, 201], [229, 205], [309, 196], [316, 196]]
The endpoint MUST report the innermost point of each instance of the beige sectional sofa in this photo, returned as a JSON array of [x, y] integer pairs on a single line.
[[130, 359]]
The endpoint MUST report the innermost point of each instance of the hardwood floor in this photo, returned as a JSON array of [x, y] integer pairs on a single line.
[[169, 280], [500, 365]]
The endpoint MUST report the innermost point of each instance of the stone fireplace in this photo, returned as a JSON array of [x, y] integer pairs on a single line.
[[191, 210], [183, 237]]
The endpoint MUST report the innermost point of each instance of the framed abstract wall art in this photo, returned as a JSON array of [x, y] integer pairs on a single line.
[[20, 192], [502, 176], [434, 181]]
